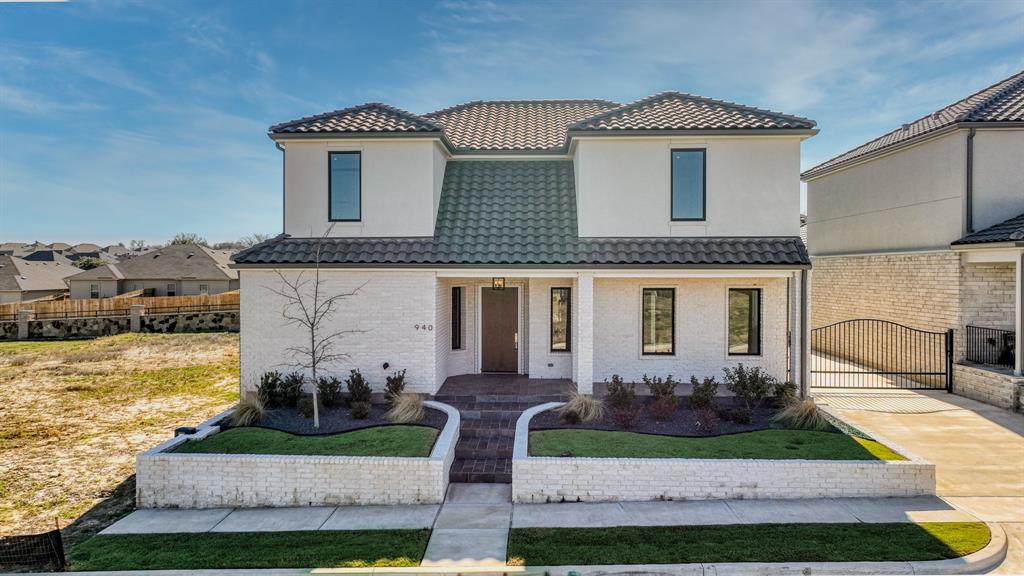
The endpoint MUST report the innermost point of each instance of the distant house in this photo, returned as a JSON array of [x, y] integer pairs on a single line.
[[176, 270], [22, 280], [45, 256]]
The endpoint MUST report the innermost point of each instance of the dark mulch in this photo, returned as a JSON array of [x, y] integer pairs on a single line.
[[682, 423], [338, 419]]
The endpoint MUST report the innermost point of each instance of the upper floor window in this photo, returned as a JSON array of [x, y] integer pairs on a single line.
[[561, 319], [659, 321], [744, 321], [344, 187], [688, 184]]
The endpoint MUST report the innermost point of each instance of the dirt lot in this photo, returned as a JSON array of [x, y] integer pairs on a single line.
[[74, 414]]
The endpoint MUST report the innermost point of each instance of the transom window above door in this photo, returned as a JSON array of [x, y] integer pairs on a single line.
[[344, 186]]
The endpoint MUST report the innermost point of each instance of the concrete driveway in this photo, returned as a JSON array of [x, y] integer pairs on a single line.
[[978, 450]]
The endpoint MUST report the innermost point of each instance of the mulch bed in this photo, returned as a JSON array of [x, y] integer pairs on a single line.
[[682, 423], [338, 419]]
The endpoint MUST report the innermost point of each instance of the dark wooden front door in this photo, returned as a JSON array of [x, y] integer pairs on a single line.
[[500, 311]]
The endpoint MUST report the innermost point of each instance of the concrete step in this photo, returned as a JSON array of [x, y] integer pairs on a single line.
[[481, 470]]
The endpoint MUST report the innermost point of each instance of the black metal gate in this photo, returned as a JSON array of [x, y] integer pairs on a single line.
[[869, 353]]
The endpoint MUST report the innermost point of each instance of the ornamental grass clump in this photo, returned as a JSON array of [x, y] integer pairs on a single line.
[[406, 409], [248, 411], [803, 415], [581, 408]]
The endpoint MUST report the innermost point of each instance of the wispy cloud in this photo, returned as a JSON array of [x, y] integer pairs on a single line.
[[28, 102]]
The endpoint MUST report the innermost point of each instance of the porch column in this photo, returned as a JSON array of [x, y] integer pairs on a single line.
[[1018, 280], [804, 378], [584, 356]]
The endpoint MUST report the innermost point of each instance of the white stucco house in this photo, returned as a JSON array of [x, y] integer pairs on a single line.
[[558, 239], [924, 226]]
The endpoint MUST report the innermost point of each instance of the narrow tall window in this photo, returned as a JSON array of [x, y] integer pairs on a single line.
[[688, 184], [171, 291], [343, 183], [659, 323], [561, 319], [456, 318], [94, 290], [744, 321]]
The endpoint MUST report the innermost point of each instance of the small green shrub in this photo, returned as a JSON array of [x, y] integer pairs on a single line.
[[663, 408], [304, 406], [750, 385], [358, 389], [660, 388], [269, 388], [394, 386], [620, 394], [406, 409], [739, 415], [291, 389], [329, 391], [803, 415], [784, 393], [360, 410], [581, 408], [248, 411], [704, 392]]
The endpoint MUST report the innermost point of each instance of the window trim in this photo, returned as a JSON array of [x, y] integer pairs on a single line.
[[568, 320], [330, 154], [760, 321], [458, 317], [643, 290], [704, 185]]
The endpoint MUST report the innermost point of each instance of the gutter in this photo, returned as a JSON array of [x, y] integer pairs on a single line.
[[969, 192]]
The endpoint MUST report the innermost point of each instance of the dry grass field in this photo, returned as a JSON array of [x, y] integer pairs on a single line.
[[74, 414]]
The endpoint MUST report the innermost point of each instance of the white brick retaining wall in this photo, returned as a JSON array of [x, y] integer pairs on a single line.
[[183, 480], [553, 479], [997, 388]]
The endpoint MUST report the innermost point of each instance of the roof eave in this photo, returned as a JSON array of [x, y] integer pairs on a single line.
[[421, 135], [804, 132], [982, 245], [569, 266]]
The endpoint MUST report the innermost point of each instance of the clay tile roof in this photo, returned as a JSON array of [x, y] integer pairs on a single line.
[[372, 117], [1000, 102], [514, 124], [681, 111]]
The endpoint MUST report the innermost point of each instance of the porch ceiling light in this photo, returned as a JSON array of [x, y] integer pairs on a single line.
[[498, 283]]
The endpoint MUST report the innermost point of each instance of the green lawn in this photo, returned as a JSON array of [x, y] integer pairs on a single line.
[[745, 543], [211, 550], [379, 441], [766, 444]]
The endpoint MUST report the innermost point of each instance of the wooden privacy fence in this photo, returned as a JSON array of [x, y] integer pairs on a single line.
[[94, 307]]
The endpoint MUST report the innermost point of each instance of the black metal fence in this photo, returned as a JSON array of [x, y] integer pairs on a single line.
[[44, 550], [990, 346], [871, 353], [194, 309]]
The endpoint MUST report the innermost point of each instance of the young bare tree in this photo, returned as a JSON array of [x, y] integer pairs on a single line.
[[309, 306]]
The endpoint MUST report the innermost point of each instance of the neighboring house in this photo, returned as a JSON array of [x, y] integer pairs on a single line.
[[175, 270], [923, 226], [563, 239], [22, 280], [46, 255]]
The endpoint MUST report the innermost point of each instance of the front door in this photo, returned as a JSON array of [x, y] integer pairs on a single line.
[[499, 330]]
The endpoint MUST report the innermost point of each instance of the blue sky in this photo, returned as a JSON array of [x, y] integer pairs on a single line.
[[123, 120]]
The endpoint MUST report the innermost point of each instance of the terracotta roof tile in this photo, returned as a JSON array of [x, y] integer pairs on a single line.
[[372, 117]]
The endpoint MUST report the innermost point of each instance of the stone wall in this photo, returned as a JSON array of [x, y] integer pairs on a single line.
[[999, 388], [171, 480], [8, 330], [78, 327], [192, 322]]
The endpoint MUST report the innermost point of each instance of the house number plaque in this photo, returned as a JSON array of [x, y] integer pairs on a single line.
[[428, 327]]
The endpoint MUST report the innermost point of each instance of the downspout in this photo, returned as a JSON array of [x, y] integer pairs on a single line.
[[969, 195], [805, 322], [283, 168]]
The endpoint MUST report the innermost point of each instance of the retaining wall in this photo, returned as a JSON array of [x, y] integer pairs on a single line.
[[78, 327], [191, 322], [999, 388]]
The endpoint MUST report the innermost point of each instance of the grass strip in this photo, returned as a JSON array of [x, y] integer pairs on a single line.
[[746, 543], [212, 550], [379, 441], [763, 444]]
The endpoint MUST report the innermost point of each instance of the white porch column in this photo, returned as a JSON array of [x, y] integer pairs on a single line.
[[1018, 280], [803, 377], [584, 344]]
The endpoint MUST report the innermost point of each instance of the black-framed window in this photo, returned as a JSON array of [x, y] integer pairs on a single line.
[[344, 186], [172, 290], [744, 321], [659, 321], [456, 318], [561, 319], [94, 290], [689, 184]]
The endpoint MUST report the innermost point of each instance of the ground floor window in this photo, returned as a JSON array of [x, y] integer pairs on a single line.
[[744, 321], [171, 290], [561, 319], [659, 324], [204, 288], [456, 318], [94, 290]]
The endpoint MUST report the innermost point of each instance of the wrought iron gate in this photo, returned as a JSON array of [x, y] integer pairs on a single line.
[[869, 353]]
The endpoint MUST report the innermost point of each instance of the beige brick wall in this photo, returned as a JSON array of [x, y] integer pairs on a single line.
[[989, 386], [986, 295]]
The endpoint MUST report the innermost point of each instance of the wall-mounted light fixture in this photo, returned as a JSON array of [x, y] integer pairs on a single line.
[[498, 283]]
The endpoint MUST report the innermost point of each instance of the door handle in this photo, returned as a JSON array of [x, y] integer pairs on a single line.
[[515, 338]]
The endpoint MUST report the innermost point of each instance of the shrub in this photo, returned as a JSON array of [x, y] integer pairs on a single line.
[[269, 388], [406, 408], [660, 388], [704, 392], [706, 420], [304, 406], [581, 408], [784, 393], [291, 389], [248, 411], [395, 386], [329, 391], [663, 408], [358, 390], [360, 410], [620, 394], [803, 415], [625, 417], [740, 415], [751, 385]]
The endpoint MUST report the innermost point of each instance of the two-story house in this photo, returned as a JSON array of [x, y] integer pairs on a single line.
[[559, 239], [924, 226]]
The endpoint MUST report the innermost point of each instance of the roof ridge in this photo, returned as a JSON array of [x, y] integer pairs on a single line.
[[523, 101], [355, 108]]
